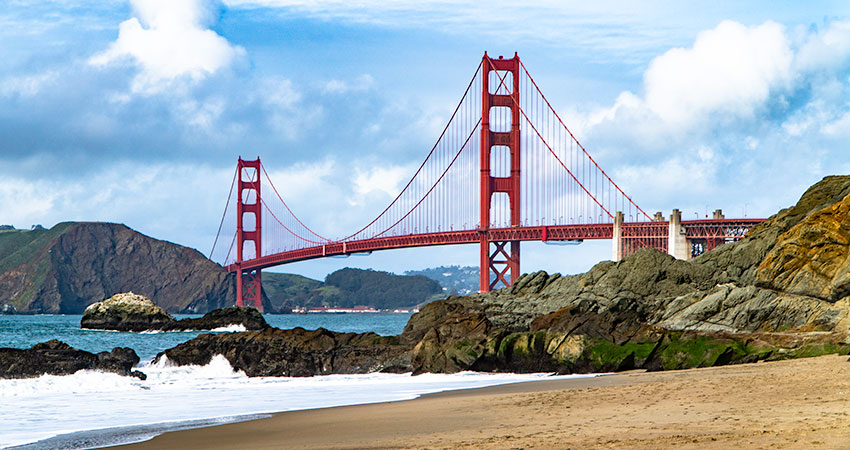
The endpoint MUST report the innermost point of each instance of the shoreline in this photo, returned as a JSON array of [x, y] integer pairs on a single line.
[[782, 404], [222, 402]]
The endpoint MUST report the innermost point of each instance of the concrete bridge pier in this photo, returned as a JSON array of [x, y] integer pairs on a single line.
[[677, 241], [678, 244], [616, 241]]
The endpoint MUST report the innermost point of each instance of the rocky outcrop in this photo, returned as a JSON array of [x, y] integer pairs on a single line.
[[126, 312], [294, 353], [74, 264], [247, 317], [789, 277], [132, 312], [813, 257], [57, 358]]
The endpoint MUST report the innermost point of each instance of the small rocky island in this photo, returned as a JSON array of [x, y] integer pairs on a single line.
[[132, 312], [58, 358], [782, 292]]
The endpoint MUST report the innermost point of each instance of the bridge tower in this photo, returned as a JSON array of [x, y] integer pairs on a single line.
[[249, 288], [499, 257]]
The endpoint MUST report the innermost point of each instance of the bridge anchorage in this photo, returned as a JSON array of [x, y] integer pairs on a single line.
[[505, 169]]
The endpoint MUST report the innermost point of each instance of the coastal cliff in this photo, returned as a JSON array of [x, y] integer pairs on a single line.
[[782, 292], [74, 264]]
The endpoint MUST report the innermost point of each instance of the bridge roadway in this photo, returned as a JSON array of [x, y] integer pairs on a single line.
[[643, 234]]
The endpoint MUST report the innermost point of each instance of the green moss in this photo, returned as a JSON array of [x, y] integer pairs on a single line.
[[462, 344], [700, 351], [811, 350], [523, 345], [607, 353], [540, 336], [507, 344]]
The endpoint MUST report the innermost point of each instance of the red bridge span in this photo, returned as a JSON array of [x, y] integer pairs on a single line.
[[505, 169]]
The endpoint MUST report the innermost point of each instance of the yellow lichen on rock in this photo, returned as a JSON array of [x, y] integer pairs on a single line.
[[126, 301], [813, 257], [126, 311]]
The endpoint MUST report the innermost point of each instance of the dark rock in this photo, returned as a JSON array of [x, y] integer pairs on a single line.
[[294, 353], [58, 358], [250, 318], [446, 337]]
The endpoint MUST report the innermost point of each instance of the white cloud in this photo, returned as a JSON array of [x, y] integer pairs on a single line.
[[732, 78], [359, 84], [169, 40], [303, 180], [202, 114], [726, 76], [386, 180], [27, 85], [730, 71], [839, 127], [826, 49]]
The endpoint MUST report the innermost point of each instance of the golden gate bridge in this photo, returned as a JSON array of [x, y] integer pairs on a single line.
[[505, 169]]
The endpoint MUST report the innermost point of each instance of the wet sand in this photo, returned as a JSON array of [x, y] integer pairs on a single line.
[[803, 403]]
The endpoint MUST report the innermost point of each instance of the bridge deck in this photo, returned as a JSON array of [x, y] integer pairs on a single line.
[[695, 229]]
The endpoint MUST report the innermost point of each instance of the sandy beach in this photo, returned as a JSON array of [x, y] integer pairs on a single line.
[[802, 403]]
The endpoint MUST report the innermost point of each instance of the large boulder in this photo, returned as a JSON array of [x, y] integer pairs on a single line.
[[446, 337], [126, 312], [58, 358]]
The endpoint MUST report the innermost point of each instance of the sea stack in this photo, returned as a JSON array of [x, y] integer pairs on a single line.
[[126, 312], [133, 312]]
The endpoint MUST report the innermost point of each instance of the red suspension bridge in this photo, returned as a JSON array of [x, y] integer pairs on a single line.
[[505, 169]]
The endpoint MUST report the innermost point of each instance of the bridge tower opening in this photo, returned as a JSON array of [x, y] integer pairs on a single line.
[[249, 288], [500, 92]]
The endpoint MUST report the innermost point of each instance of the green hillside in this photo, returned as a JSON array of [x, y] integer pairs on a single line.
[[455, 280], [349, 287]]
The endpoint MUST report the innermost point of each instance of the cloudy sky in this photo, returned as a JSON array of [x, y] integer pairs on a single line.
[[135, 112]]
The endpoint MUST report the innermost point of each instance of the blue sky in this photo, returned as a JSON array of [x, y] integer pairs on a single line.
[[135, 112]]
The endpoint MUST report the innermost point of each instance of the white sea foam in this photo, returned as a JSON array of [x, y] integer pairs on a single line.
[[232, 328], [38, 408]]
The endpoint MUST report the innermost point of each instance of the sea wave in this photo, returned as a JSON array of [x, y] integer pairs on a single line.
[[47, 406]]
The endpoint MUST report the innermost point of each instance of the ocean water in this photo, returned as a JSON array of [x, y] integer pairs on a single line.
[[25, 331], [92, 409]]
